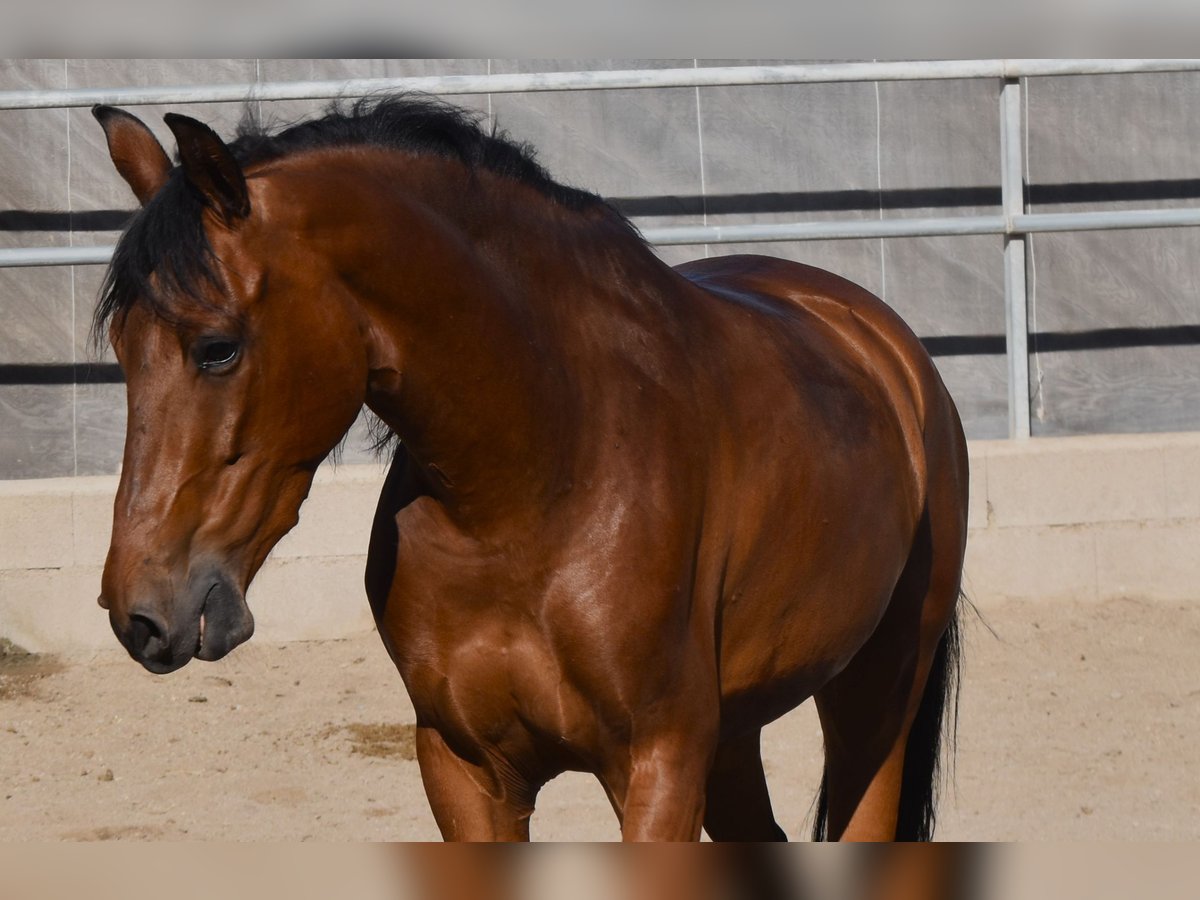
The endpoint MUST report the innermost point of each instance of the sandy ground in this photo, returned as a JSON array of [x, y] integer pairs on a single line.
[[1078, 722]]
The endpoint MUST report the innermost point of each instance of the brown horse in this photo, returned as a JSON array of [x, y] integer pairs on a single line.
[[635, 513]]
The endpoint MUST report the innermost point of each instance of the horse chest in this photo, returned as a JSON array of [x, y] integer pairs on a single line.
[[492, 687], [460, 623]]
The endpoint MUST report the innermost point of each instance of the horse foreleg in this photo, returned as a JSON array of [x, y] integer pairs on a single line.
[[738, 807], [657, 782], [664, 800], [469, 802]]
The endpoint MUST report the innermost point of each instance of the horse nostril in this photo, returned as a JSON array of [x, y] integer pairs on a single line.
[[147, 636]]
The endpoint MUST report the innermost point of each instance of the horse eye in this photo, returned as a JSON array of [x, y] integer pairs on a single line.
[[214, 354]]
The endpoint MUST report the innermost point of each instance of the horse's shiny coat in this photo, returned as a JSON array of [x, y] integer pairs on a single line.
[[636, 512]]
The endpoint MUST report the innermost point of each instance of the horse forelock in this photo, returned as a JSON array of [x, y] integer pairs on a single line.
[[162, 260]]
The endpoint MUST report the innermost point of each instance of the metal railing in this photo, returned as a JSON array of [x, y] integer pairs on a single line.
[[1013, 222], [715, 76]]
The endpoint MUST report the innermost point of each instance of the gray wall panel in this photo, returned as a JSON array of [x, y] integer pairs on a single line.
[[790, 139], [36, 154], [1111, 129], [100, 414], [35, 304], [1108, 279], [35, 307], [1114, 142], [940, 134], [33, 143], [632, 143], [87, 290], [1103, 304], [36, 436], [946, 285], [36, 430], [1126, 389]]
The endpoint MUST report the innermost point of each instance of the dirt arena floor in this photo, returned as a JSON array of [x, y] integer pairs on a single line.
[[1078, 722]]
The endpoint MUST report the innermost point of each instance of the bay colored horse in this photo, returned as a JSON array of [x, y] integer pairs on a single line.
[[635, 513]]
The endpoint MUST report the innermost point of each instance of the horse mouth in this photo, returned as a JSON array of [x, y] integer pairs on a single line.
[[200, 630], [224, 621], [200, 636]]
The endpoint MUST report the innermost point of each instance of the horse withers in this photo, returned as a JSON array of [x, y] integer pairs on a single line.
[[634, 514]]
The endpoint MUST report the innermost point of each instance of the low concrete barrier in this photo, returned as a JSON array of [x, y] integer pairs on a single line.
[[54, 535], [1086, 518]]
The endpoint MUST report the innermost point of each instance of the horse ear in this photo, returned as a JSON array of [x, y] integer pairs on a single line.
[[136, 153], [210, 167]]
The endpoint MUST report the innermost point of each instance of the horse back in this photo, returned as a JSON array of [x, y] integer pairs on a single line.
[[835, 322]]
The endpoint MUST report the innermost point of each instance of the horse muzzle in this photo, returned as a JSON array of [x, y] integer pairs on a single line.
[[208, 622]]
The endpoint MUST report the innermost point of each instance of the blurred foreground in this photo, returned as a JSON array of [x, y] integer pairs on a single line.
[[551, 872], [690, 872]]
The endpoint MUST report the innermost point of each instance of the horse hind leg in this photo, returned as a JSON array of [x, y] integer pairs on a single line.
[[882, 715], [737, 804]]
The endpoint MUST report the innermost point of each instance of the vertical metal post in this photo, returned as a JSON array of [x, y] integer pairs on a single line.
[[1012, 190]]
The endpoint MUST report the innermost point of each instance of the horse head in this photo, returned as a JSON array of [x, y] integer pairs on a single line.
[[244, 368]]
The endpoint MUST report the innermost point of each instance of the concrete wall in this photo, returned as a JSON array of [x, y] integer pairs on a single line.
[[1085, 518], [1116, 315]]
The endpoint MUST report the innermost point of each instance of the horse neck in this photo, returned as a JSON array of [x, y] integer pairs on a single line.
[[474, 320]]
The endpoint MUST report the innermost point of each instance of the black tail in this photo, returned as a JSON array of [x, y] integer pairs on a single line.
[[922, 757], [820, 830]]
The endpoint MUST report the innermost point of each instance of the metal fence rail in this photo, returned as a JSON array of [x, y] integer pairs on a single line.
[[851, 229], [1014, 223], [714, 76]]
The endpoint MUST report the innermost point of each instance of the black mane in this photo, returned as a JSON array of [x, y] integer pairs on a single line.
[[414, 123], [166, 238]]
